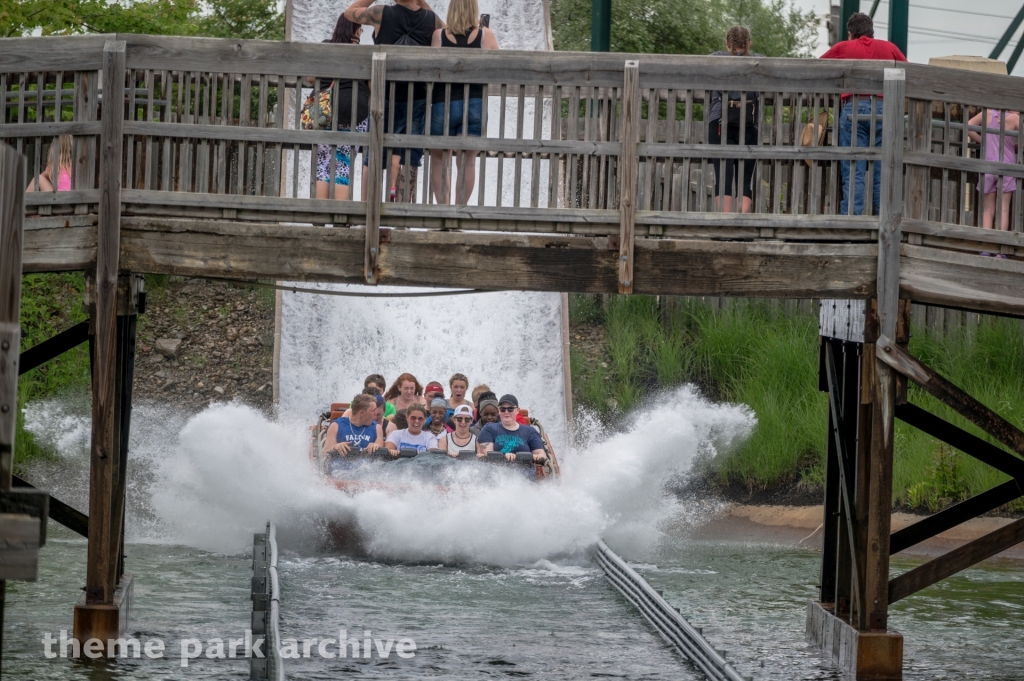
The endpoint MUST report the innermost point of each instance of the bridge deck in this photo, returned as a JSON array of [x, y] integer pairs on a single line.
[[597, 171]]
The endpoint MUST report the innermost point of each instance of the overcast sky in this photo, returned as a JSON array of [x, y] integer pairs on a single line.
[[940, 27]]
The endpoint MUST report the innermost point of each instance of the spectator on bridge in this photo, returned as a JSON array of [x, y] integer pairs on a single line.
[[65, 161], [738, 42], [360, 431], [345, 33], [407, 22], [861, 45], [460, 439], [1000, 150], [412, 437], [509, 436], [405, 392], [464, 30], [459, 384]]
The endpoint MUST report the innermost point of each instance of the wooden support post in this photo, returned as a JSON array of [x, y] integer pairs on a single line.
[[104, 530], [375, 169], [880, 381], [102, 612], [628, 170], [12, 216]]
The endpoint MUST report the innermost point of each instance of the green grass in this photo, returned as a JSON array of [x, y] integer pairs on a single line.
[[754, 354], [50, 303]]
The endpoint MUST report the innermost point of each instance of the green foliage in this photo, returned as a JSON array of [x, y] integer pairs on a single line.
[[750, 353], [688, 26], [50, 303], [243, 19]]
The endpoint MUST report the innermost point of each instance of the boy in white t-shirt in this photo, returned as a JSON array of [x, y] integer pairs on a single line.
[[413, 437]]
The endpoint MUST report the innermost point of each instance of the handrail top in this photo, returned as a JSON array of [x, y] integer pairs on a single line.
[[768, 74]]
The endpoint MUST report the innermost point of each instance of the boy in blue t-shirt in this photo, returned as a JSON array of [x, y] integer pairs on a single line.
[[508, 435]]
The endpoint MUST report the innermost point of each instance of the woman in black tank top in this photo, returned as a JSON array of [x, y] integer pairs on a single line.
[[463, 116]]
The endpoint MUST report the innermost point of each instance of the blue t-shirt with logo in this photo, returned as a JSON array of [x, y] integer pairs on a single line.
[[523, 439], [356, 436]]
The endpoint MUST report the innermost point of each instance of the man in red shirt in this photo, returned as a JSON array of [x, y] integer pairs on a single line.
[[861, 45]]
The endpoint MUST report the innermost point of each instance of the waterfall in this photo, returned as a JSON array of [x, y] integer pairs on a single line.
[[512, 341]]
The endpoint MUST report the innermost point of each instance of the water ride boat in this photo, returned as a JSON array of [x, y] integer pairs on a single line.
[[350, 474]]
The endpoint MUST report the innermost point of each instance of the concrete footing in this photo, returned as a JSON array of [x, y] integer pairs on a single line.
[[105, 622], [875, 655]]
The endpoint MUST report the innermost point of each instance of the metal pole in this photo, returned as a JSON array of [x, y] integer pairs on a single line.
[[899, 22], [1015, 56], [1010, 30], [847, 8], [601, 26]]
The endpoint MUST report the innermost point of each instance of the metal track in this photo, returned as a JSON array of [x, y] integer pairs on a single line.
[[266, 597], [666, 619]]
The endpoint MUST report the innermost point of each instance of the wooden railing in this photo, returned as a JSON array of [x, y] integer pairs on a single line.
[[609, 146]]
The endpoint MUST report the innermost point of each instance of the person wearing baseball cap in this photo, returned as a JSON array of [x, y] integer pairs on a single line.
[[508, 435], [461, 438]]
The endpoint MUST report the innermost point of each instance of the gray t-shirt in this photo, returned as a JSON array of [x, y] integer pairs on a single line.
[[715, 112]]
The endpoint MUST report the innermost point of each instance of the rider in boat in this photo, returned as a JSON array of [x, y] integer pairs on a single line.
[[439, 411], [413, 437], [381, 385], [459, 384], [405, 391], [461, 439], [509, 435], [487, 412], [358, 431]]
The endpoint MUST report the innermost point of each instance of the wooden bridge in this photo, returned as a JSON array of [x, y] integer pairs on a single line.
[[596, 174]]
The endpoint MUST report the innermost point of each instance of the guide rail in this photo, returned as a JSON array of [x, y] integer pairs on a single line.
[[266, 600], [679, 633]]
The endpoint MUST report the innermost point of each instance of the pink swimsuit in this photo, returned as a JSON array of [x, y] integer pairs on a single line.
[[64, 181], [992, 149]]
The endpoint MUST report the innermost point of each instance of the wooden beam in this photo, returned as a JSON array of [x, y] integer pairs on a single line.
[[628, 170], [52, 347], [942, 277], [969, 444], [890, 203], [12, 215], [495, 261], [956, 560], [937, 386], [375, 169], [954, 515], [105, 527], [58, 511]]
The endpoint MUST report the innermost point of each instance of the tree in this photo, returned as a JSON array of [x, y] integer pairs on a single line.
[[688, 26], [245, 19]]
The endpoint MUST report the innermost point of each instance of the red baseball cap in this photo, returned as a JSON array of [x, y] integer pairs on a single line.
[[434, 387]]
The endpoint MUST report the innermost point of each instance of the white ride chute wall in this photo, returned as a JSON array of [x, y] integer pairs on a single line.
[[512, 341]]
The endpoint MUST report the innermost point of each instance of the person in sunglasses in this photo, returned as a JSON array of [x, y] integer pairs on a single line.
[[461, 438], [508, 436]]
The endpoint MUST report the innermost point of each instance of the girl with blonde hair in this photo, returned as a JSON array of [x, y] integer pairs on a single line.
[[463, 31], [65, 161]]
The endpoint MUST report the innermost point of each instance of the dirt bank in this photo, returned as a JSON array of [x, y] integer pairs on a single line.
[[801, 526], [222, 339]]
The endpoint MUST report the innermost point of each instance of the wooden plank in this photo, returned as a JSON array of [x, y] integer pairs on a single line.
[[966, 164], [48, 129], [939, 387], [12, 215], [371, 254], [59, 249], [552, 262], [966, 87], [628, 171], [953, 231], [53, 53], [768, 152], [104, 530], [956, 560], [79, 196], [970, 282]]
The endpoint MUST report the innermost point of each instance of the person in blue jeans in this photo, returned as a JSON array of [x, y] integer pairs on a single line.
[[863, 140], [464, 117], [861, 45]]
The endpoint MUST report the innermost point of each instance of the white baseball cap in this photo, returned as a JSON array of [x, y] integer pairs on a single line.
[[463, 410]]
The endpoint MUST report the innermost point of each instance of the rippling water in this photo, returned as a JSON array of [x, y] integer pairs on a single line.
[[546, 620]]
